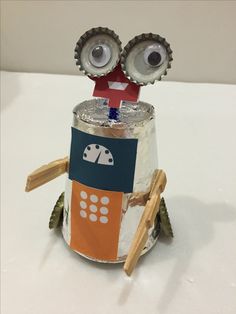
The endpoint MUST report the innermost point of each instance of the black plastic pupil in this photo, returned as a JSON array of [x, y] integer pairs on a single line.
[[97, 52], [154, 58]]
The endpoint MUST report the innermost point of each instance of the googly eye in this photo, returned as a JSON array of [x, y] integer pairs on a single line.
[[98, 52], [154, 55], [146, 58], [100, 55]]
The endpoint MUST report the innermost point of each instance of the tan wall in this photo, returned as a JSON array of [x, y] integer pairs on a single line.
[[39, 36]]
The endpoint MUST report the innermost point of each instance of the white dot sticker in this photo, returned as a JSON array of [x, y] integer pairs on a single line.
[[94, 198], [104, 210], [93, 217], [93, 208], [103, 219], [83, 195], [83, 204], [105, 200], [83, 213]]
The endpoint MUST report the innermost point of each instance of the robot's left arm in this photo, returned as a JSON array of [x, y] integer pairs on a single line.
[[46, 173]]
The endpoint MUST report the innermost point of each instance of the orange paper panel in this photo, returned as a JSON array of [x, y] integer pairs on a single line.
[[95, 221]]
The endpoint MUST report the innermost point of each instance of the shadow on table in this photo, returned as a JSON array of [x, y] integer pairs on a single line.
[[193, 223]]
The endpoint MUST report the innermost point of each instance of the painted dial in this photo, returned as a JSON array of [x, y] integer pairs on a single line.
[[98, 154]]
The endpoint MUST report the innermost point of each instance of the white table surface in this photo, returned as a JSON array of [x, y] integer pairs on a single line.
[[195, 273]]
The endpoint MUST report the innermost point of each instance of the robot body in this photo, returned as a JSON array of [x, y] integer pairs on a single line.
[[112, 210]]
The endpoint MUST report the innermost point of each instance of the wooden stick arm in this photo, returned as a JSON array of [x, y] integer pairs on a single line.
[[158, 187], [146, 221], [141, 198], [46, 173]]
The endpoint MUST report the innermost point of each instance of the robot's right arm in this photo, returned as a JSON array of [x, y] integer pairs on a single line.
[[46, 173], [146, 222]]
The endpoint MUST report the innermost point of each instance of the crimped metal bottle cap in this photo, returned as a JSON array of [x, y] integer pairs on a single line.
[[98, 51], [146, 58]]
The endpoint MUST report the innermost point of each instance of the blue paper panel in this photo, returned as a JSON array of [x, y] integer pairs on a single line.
[[101, 162]]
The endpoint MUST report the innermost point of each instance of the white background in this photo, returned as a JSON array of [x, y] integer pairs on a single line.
[[195, 273]]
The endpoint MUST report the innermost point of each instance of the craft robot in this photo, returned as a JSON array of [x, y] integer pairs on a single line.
[[102, 164]]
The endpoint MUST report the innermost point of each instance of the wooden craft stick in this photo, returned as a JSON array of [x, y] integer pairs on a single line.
[[46, 173], [146, 222], [152, 210], [159, 181], [141, 198], [156, 190]]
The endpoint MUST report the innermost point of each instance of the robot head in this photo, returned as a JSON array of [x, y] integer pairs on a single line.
[[120, 73]]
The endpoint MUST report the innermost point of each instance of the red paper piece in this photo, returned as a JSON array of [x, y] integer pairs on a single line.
[[116, 87]]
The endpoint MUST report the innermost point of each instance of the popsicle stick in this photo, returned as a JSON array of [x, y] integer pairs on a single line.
[[146, 222], [159, 182], [141, 198], [133, 257], [139, 240], [157, 188], [46, 173]]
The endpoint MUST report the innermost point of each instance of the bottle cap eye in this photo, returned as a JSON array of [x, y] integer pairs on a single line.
[[146, 58], [98, 51]]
